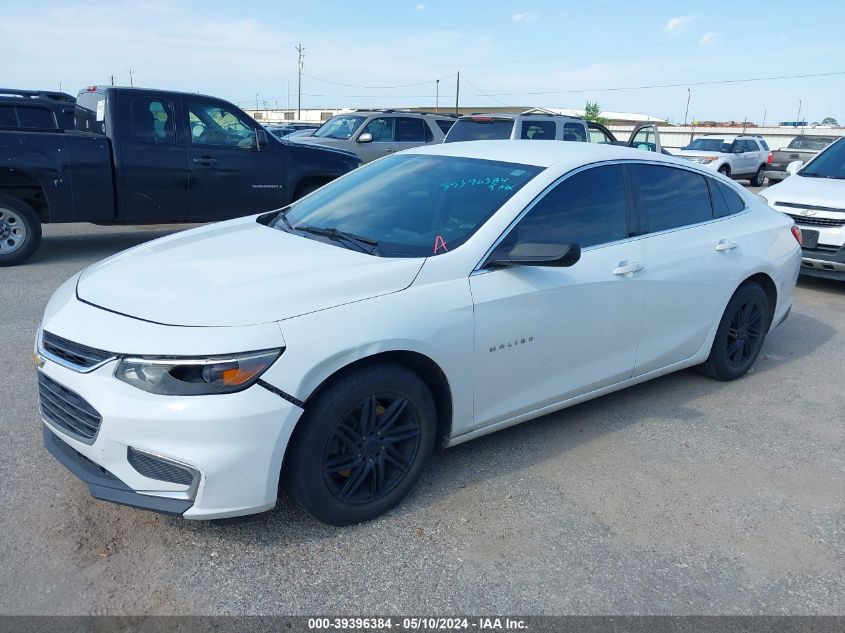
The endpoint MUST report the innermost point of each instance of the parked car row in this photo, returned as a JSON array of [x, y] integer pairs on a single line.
[[372, 134]]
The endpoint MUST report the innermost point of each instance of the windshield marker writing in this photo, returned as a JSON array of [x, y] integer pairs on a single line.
[[439, 243]]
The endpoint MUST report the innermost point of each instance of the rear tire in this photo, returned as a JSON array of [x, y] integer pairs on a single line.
[[740, 335], [20, 231], [759, 178], [361, 444]]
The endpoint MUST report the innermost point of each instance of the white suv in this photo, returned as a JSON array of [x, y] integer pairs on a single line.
[[734, 156]]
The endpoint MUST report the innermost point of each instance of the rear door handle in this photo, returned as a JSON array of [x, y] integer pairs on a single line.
[[389, 150], [726, 245], [626, 269], [205, 160]]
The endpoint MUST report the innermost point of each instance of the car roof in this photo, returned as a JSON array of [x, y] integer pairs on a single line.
[[539, 154], [513, 116]]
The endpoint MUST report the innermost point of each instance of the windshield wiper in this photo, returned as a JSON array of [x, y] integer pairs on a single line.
[[338, 235]]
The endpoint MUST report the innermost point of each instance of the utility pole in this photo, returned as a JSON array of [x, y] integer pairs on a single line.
[[765, 111], [798, 118], [256, 101], [689, 94], [288, 94], [131, 82], [457, 92], [437, 96], [301, 52], [60, 86], [112, 80]]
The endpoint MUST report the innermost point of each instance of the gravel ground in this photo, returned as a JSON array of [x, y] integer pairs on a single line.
[[682, 496]]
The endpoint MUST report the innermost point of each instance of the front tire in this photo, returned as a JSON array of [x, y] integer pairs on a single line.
[[20, 231], [725, 171], [759, 178], [361, 445], [740, 335]]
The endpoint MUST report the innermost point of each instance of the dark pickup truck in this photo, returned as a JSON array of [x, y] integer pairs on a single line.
[[141, 156]]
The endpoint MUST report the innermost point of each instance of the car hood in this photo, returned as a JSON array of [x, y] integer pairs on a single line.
[[238, 273], [320, 141], [693, 153], [797, 189]]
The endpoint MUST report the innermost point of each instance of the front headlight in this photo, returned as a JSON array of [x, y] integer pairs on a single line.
[[171, 376]]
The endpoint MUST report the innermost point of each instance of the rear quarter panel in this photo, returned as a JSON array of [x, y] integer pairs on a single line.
[[73, 169]]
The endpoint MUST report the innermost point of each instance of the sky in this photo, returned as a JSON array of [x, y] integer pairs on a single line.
[[390, 53]]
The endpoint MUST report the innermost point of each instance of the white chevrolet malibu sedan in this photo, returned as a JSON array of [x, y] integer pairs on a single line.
[[432, 296]]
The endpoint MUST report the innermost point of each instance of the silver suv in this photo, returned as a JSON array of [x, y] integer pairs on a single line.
[[372, 134], [548, 127], [742, 156], [536, 127]]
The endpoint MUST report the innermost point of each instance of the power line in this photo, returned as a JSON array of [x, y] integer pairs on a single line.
[[483, 94], [675, 85], [346, 85]]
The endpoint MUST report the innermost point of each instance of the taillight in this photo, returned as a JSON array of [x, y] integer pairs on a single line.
[[91, 89], [796, 233], [771, 157]]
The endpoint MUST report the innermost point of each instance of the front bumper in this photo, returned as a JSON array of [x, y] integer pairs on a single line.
[[823, 262], [234, 443]]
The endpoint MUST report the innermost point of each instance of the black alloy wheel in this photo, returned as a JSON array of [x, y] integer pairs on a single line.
[[740, 335], [361, 444], [371, 449]]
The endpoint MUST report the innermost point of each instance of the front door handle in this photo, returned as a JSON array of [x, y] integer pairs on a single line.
[[205, 160], [626, 269], [726, 245]]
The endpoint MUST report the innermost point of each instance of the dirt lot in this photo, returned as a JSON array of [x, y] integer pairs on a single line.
[[682, 495]]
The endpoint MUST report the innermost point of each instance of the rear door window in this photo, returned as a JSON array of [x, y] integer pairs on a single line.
[[153, 120], [669, 197], [7, 116], [410, 130], [538, 130], [725, 200], [35, 117]]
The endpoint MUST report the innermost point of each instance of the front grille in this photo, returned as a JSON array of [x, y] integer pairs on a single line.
[[814, 221], [813, 207], [159, 469], [75, 354], [67, 409]]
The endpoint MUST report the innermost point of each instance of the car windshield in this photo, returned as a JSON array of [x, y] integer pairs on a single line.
[[709, 145], [829, 164], [342, 126], [411, 205], [480, 129]]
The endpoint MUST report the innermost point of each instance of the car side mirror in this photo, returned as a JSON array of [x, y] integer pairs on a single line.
[[539, 254], [793, 167], [365, 137], [261, 140]]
